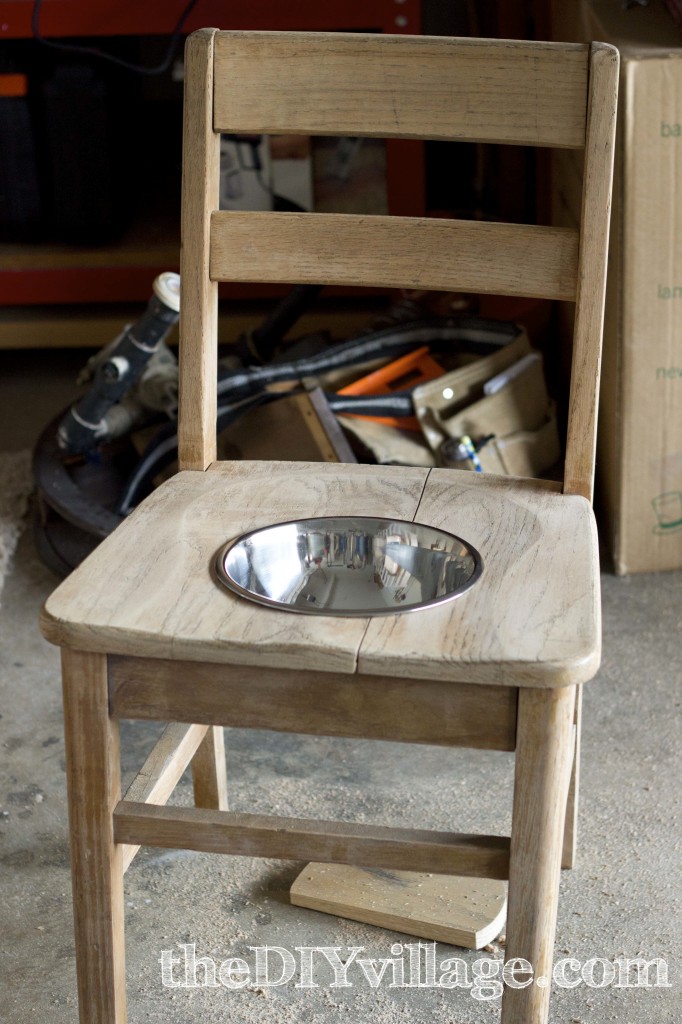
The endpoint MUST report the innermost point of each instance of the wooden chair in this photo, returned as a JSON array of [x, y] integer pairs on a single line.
[[145, 631]]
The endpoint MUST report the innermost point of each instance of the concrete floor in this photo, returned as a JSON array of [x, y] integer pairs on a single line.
[[622, 900]]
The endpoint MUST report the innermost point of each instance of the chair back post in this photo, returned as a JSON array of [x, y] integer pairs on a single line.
[[581, 437], [199, 294]]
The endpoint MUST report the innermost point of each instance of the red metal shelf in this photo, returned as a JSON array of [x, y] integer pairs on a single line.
[[119, 281], [159, 17]]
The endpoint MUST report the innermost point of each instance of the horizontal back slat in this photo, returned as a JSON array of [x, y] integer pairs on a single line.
[[394, 252], [504, 91]]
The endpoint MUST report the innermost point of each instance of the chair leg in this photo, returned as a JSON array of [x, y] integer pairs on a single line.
[[543, 766], [209, 775], [570, 849], [94, 789]]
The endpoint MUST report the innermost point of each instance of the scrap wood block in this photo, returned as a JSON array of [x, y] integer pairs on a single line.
[[297, 427], [468, 912]]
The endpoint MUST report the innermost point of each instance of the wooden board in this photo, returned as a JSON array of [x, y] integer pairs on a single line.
[[467, 912], [532, 619], [581, 438], [539, 590], [387, 86], [339, 704], [340, 842], [198, 355], [542, 771], [395, 252], [93, 777], [163, 769], [149, 589], [299, 427]]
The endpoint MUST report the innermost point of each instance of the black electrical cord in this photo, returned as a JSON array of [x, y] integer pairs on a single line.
[[243, 389], [92, 51]]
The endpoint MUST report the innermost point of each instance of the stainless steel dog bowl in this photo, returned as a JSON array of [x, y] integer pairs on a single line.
[[348, 565]]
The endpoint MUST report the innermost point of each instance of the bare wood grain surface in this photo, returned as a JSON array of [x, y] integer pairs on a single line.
[[163, 769], [148, 589], [198, 353], [337, 704], [581, 437], [444, 908], [395, 86], [569, 853], [168, 759], [532, 619], [543, 766], [257, 835], [94, 789], [409, 252], [209, 774]]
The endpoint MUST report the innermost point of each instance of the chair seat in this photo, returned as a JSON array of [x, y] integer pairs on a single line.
[[532, 619]]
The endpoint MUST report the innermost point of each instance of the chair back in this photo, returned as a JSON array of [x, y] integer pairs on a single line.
[[472, 90]]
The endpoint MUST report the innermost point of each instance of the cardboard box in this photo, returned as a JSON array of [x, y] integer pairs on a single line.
[[639, 465]]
